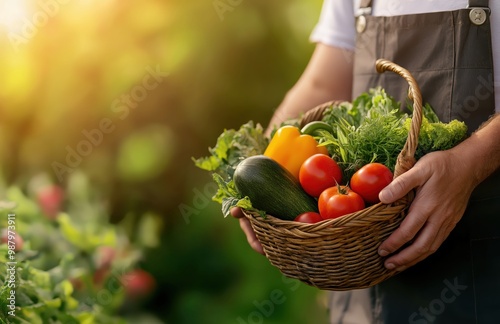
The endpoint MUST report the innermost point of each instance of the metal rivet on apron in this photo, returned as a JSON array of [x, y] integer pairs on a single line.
[[361, 24], [477, 16]]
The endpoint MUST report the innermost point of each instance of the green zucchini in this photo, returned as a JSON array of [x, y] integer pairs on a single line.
[[272, 188]]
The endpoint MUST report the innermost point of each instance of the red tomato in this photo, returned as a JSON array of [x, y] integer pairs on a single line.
[[309, 217], [370, 180], [338, 201], [12, 239], [104, 256], [50, 200], [318, 173], [138, 284]]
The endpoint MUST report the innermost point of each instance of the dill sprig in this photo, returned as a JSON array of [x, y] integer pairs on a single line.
[[373, 129]]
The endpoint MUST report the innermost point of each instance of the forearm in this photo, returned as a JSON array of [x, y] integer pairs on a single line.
[[481, 151], [300, 99], [328, 76]]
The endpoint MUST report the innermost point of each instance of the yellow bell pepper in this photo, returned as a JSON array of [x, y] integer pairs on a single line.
[[290, 148]]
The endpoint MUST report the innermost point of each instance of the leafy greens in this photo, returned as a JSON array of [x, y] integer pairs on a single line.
[[374, 129], [232, 147]]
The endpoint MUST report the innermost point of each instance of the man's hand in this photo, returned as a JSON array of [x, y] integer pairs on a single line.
[[444, 182], [443, 187], [247, 229]]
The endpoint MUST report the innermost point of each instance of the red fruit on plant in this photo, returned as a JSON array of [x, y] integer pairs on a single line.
[[318, 173], [370, 180], [104, 256], [138, 284], [309, 217], [100, 276], [339, 201], [12, 239], [77, 284], [50, 199]]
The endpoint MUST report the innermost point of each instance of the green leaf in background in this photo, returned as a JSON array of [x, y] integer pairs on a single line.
[[40, 278], [86, 318], [6, 205], [54, 303], [4, 294], [149, 230], [86, 236], [25, 207], [78, 187], [145, 153], [32, 315], [65, 289]]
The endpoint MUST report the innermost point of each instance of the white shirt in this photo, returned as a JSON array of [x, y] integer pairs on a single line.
[[336, 25]]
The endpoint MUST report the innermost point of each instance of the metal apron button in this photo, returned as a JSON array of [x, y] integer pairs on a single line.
[[477, 16], [361, 24]]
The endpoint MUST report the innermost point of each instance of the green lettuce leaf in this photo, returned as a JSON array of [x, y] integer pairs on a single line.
[[232, 147]]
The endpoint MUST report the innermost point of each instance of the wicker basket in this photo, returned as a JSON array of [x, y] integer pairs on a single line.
[[341, 253]]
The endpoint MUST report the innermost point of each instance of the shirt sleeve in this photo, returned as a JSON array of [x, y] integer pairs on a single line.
[[336, 25]]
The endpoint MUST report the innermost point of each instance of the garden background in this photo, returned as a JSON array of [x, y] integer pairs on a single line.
[[110, 100]]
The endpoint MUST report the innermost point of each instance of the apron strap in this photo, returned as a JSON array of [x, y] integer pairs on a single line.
[[478, 3], [365, 4]]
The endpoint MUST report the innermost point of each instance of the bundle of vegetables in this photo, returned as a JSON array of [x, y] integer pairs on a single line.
[[373, 128], [257, 173], [293, 181]]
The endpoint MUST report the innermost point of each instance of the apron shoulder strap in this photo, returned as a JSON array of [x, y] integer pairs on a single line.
[[365, 4], [478, 3]]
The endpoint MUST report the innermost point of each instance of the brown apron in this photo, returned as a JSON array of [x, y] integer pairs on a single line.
[[450, 56]]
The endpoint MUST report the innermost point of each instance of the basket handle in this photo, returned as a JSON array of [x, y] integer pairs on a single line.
[[406, 158], [317, 112]]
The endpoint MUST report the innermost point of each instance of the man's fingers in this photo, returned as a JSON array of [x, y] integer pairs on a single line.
[[417, 251], [400, 186], [252, 239], [408, 229], [427, 242], [236, 212], [245, 225]]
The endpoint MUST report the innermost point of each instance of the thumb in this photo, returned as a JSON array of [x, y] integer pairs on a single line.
[[398, 188], [236, 212]]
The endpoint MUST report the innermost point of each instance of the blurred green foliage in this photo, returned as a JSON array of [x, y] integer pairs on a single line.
[[127, 92], [62, 261]]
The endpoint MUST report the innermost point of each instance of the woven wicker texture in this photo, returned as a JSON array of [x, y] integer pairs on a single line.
[[341, 253]]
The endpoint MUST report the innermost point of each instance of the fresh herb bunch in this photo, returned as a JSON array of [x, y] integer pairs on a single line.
[[438, 136], [368, 105], [373, 128]]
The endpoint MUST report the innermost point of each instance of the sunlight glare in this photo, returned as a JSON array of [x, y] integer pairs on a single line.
[[12, 14]]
